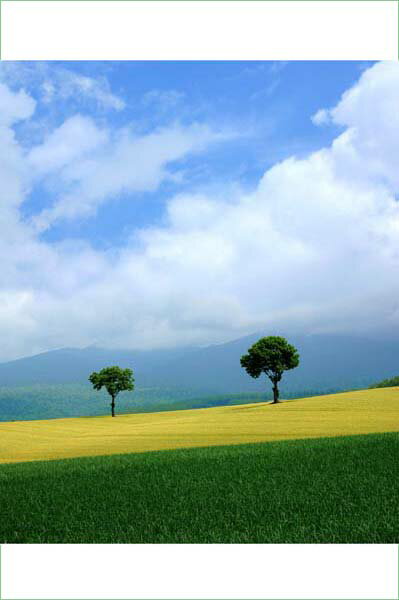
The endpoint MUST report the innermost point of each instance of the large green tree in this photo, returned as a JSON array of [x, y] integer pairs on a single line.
[[115, 380], [271, 355]]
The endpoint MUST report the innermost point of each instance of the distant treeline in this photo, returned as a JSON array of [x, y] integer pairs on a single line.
[[392, 382], [52, 401]]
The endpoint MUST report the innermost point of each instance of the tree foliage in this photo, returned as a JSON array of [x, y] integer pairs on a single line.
[[114, 380], [393, 382], [271, 355]]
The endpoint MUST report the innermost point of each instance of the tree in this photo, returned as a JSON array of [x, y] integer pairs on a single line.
[[115, 380], [270, 355]]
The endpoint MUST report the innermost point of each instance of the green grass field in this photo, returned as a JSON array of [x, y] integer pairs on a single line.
[[341, 489]]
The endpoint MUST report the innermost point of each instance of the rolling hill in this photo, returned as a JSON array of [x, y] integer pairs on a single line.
[[315, 470], [325, 490], [327, 361], [349, 413], [54, 384]]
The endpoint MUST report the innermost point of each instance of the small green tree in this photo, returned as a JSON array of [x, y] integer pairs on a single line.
[[270, 355], [115, 380]]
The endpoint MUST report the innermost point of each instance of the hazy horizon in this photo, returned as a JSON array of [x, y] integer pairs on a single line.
[[385, 337]]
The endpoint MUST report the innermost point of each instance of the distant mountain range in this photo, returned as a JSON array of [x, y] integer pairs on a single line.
[[327, 362]]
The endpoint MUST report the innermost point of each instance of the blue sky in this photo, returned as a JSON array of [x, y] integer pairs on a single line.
[[156, 204], [266, 105]]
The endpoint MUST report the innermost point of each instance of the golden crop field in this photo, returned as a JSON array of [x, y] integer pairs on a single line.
[[358, 412]]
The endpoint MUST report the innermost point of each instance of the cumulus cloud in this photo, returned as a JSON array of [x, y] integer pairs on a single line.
[[313, 247]]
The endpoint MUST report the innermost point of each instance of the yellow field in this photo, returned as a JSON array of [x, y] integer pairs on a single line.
[[365, 411]]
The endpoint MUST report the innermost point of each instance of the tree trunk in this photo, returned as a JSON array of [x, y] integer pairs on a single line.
[[275, 393], [113, 406]]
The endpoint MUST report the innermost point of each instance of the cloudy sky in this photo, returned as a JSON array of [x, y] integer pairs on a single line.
[[152, 205]]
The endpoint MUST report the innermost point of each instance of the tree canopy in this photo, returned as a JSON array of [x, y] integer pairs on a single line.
[[272, 356], [114, 380]]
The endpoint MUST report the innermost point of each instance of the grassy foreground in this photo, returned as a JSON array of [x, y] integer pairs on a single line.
[[342, 489], [349, 413]]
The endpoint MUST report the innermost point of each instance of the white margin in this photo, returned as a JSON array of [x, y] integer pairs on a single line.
[[199, 30]]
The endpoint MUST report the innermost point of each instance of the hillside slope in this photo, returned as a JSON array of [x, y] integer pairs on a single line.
[[328, 362], [359, 412], [330, 490]]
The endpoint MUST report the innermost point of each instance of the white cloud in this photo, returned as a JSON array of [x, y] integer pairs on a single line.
[[57, 83], [369, 110], [71, 83], [313, 247], [128, 163], [321, 117], [71, 141], [14, 106]]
